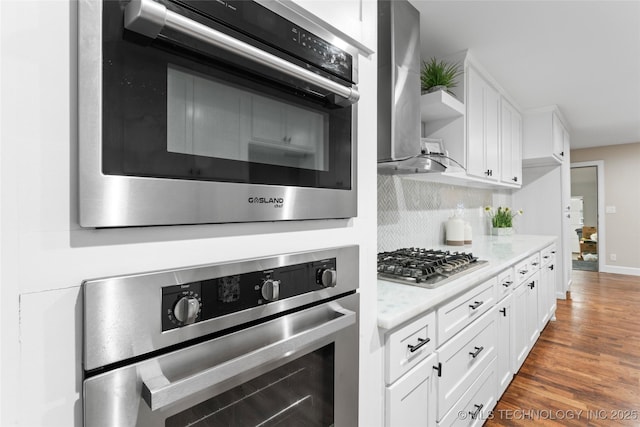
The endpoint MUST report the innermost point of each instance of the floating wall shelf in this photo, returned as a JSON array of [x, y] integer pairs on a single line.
[[440, 105]]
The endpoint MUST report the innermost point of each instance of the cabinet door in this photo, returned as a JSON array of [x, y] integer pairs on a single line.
[[532, 285], [521, 338], [558, 132], [510, 144], [492, 132], [506, 344], [482, 127], [410, 401]]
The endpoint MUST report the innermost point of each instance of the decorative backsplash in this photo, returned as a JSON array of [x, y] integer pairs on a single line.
[[414, 213]]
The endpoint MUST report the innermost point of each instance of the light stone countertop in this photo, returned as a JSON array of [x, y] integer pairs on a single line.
[[398, 303]]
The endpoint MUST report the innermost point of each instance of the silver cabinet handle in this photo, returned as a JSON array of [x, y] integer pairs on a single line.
[[148, 18], [160, 392]]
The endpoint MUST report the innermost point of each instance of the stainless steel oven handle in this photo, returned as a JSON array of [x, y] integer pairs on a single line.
[[159, 392], [148, 18]]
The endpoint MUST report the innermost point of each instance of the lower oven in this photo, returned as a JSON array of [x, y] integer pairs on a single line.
[[253, 343]]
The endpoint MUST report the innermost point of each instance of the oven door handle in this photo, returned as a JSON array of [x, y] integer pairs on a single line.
[[148, 18], [159, 392]]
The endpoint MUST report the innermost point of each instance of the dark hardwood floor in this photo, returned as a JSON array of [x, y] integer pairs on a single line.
[[585, 368]]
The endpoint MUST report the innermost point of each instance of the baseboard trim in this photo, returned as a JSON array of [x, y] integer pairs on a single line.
[[629, 271]]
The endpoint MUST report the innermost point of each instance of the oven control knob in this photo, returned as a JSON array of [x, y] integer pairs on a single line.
[[271, 290], [186, 310], [328, 277]]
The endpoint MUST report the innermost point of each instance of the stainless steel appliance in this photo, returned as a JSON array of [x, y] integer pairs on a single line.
[[269, 341], [211, 111], [400, 150], [427, 268]]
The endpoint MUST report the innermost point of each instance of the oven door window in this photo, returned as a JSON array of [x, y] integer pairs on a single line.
[[176, 108], [300, 393]]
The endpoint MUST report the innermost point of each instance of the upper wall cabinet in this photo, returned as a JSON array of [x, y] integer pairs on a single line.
[[545, 135], [483, 124], [479, 127], [510, 144]]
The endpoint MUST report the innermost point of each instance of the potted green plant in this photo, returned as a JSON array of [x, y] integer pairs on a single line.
[[502, 219], [438, 75]]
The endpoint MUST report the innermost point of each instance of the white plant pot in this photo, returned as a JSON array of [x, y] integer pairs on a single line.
[[502, 231]]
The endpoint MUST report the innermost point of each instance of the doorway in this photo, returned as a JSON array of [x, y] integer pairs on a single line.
[[585, 216]]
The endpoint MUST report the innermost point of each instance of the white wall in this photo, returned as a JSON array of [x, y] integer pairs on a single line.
[[45, 255]]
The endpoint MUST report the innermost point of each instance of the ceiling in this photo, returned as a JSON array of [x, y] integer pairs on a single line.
[[583, 56]]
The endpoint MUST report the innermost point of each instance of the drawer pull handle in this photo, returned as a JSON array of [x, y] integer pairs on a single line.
[[475, 354], [507, 284], [421, 342], [503, 311], [546, 257], [474, 414], [524, 271], [534, 264], [476, 304], [532, 284]]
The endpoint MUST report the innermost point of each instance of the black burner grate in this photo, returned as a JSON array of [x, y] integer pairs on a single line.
[[424, 266]]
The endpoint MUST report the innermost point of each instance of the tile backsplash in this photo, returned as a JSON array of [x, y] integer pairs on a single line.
[[414, 213]]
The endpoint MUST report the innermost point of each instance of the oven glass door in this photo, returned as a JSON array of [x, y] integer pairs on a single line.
[[300, 393], [179, 108]]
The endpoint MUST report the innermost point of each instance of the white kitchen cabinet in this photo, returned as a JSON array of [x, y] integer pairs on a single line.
[[463, 358], [526, 325], [547, 173], [410, 390], [506, 344], [510, 144], [411, 401], [475, 406], [543, 137], [547, 294], [464, 309], [407, 346], [520, 342], [482, 102], [532, 285]]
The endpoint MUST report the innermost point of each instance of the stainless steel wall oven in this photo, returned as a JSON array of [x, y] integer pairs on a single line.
[[262, 342], [208, 112]]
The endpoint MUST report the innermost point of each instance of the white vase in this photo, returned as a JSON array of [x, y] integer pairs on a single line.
[[502, 231]]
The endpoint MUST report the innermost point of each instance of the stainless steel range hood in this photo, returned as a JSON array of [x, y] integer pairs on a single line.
[[399, 150]]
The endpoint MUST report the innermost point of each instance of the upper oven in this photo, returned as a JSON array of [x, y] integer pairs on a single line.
[[209, 112]]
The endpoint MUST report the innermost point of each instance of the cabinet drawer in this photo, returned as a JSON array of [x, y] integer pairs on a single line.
[[522, 271], [463, 358], [548, 255], [475, 405], [456, 314], [411, 401], [407, 346], [506, 282], [534, 262]]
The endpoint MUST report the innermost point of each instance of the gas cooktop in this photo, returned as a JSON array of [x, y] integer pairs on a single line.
[[427, 268]]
